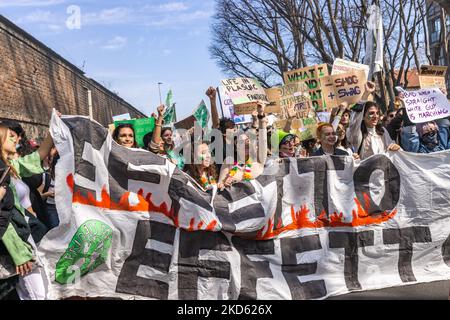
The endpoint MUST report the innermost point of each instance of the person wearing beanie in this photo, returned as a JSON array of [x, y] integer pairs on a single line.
[[286, 144]]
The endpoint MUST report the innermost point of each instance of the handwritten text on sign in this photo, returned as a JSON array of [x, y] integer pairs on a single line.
[[346, 87], [244, 90], [425, 104], [310, 76]]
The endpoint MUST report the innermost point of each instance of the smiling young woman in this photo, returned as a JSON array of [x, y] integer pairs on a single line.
[[365, 132]]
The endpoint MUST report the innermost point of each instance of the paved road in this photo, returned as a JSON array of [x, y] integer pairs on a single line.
[[438, 290]]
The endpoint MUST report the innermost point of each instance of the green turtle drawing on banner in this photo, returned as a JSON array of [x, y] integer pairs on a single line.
[[87, 250]]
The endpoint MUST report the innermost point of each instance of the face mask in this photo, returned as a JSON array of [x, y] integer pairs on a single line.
[[431, 139]]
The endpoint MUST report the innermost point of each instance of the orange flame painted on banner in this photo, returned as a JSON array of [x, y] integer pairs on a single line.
[[300, 220], [144, 204]]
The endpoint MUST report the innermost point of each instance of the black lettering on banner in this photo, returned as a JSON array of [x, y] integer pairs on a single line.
[[292, 270], [446, 251], [320, 166], [119, 174], [361, 179], [129, 282], [405, 237], [190, 268], [179, 189], [351, 242], [236, 192], [283, 169], [84, 131], [251, 271]]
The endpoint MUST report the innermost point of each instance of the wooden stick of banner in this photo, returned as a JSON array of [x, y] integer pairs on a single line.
[[379, 76]]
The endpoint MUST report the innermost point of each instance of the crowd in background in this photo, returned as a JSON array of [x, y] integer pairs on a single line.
[[28, 169]]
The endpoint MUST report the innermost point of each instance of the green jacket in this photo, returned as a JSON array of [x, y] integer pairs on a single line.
[[19, 250]]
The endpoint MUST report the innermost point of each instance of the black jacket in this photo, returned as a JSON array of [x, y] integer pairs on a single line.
[[337, 152]]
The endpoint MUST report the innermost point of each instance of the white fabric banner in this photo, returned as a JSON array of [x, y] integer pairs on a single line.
[[133, 226]]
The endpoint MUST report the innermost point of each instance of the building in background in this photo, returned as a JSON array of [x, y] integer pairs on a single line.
[[34, 79], [437, 51]]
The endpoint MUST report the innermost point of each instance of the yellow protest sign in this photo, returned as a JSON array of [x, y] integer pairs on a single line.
[[310, 76], [274, 96], [345, 87]]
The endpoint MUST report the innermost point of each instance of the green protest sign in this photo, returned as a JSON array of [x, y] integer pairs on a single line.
[[141, 127]]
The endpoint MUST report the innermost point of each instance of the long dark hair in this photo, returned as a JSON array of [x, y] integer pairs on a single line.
[[193, 169], [116, 132], [25, 147], [378, 128]]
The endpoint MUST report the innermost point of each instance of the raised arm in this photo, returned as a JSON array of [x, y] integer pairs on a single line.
[[354, 134], [156, 138], [46, 147], [341, 109], [262, 135], [211, 93]]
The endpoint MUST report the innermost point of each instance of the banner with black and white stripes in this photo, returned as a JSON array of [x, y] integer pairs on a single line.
[[134, 226]]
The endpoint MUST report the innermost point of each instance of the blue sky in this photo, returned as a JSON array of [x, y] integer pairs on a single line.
[[130, 46]]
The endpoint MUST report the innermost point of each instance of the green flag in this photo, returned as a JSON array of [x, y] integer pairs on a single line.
[[170, 116], [202, 114], [141, 127], [169, 99]]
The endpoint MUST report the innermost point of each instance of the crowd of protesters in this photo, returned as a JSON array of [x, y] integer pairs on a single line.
[[28, 170]]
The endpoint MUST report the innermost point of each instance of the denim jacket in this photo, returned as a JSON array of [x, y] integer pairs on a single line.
[[412, 143]]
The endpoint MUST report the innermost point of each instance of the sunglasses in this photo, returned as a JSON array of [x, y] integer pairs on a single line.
[[429, 133]]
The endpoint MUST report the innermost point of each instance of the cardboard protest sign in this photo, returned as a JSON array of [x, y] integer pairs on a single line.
[[125, 116], [323, 116], [345, 66], [274, 96], [436, 71], [244, 90], [307, 130], [310, 76], [228, 108], [186, 123], [433, 77], [245, 108], [345, 87], [425, 104], [281, 124], [295, 100], [141, 127]]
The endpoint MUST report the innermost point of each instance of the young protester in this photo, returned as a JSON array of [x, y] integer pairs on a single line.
[[245, 168], [424, 137], [340, 115], [328, 139], [200, 166], [51, 219], [365, 132], [342, 142], [124, 135], [162, 141], [16, 255], [286, 143], [31, 286]]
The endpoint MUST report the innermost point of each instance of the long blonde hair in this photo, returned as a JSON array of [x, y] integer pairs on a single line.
[[3, 136]]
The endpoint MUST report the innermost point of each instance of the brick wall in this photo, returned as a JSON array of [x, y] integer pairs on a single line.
[[34, 80]]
